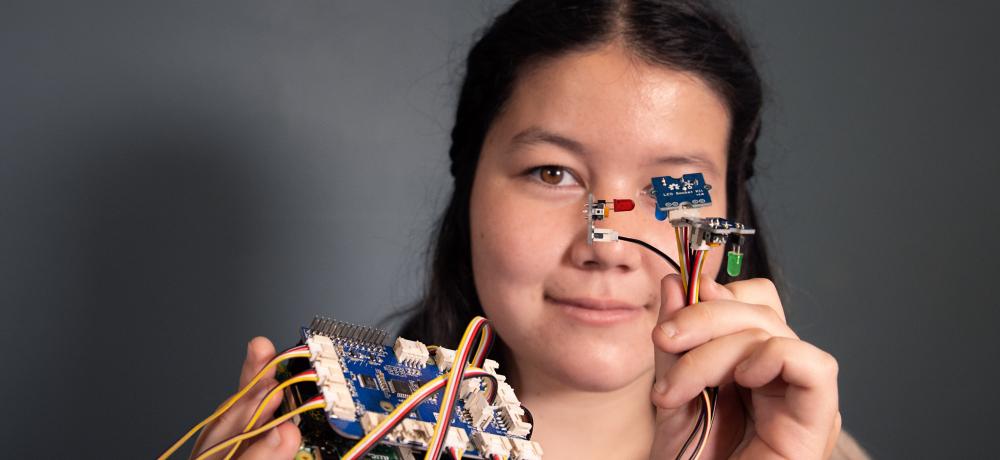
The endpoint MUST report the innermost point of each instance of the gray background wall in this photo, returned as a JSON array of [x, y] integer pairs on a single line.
[[176, 178]]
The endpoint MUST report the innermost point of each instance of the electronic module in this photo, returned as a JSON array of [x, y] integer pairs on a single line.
[[355, 397], [362, 380]]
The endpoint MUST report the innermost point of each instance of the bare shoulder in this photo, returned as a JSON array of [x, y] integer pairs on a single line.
[[847, 448]]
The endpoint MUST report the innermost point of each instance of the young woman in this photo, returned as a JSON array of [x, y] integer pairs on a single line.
[[566, 98]]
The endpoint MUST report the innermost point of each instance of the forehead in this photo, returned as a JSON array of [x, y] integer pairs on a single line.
[[611, 101]]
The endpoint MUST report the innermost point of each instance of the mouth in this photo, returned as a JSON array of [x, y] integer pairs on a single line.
[[593, 311]]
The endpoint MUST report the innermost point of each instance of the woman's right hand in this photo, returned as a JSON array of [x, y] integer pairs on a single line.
[[281, 442]]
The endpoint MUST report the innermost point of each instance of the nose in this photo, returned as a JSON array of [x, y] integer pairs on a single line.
[[615, 255]]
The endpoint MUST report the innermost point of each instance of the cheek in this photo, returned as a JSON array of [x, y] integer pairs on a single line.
[[515, 247]]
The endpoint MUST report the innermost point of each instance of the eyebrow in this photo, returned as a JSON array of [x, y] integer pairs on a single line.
[[535, 135]]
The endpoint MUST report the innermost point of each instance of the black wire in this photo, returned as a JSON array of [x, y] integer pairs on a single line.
[[702, 421], [672, 262], [697, 423], [531, 420], [713, 395], [701, 439]]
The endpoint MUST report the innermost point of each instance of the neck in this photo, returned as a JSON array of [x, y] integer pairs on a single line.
[[580, 424]]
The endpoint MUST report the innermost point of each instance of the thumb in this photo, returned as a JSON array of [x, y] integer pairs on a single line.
[[672, 299]]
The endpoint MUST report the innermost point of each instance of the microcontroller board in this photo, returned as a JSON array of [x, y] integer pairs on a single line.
[[363, 379]]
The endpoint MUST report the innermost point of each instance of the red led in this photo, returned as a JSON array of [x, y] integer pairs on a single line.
[[624, 205]]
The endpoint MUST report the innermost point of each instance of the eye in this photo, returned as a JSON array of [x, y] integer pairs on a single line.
[[556, 176]]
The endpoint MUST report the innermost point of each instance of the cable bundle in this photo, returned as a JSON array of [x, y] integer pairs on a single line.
[[678, 200], [462, 369]]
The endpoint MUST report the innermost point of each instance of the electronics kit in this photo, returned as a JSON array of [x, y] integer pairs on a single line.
[[353, 396]]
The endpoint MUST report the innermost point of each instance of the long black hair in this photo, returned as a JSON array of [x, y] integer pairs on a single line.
[[685, 35]]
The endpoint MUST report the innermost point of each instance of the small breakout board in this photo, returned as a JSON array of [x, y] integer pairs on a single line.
[[363, 379]]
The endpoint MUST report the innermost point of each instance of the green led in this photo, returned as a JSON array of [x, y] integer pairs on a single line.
[[734, 263]]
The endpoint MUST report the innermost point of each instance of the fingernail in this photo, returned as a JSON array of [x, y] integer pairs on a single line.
[[669, 328], [273, 438], [660, 387]]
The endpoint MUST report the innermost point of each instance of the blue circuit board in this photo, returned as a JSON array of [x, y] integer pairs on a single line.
[[671, 193], [378, 382]]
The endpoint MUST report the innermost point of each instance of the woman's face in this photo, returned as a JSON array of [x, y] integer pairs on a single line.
[[604, 122]]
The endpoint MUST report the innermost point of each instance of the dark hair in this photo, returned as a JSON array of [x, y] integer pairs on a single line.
[[687, 35]]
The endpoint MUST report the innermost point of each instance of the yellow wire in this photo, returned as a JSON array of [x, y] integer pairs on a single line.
[[403, 406], [264, 402], [232, 400], [697, 275], [681, 257], [453, 379], [481, 349], [273, 423], [708, 424]]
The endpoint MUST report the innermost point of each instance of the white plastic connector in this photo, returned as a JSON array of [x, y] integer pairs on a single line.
[[513, 417], [491, 366], [457, 439], [479, 409], [369, 420], [444, 358], [411, 352], [339, 402], [468, 387], [679, 215], [320, 346], [414, 431], [329, 371], [490, 444], [523, 449], [505, 395], [605, 235]]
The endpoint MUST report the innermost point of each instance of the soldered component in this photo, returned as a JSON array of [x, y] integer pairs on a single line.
[[479, 409], [367, 381], [360, 336], [369, 420], [339, 401], [411, 352], [444, 358], [597, 210], [523, 449], [491, 366], [456, 439], [514, 421], [491, 444], [399, 386], [671, 193]]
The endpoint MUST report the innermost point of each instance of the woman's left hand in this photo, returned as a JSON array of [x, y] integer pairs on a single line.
[[737, 335]]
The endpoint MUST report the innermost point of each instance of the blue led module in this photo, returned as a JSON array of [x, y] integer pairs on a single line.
[[671, 193]]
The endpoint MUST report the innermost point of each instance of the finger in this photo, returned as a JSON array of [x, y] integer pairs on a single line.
[[280, 442], [704, 321], [672, 299], [760, 291], [260, 350], [709, 365], [810, 375], [672, 296]]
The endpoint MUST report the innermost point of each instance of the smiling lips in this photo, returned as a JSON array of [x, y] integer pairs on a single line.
[[596, 311]]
